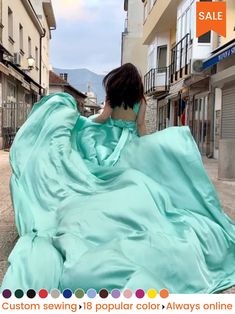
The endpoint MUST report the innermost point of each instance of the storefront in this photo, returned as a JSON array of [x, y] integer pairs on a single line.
[[224, 115], [18, 93], [162, 114], [197, 111], [201, 122]]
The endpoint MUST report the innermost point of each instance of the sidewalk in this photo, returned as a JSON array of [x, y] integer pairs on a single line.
[[225, 189], [8, 233]]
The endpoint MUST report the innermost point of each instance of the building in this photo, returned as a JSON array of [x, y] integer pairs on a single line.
[[91, 104], [59, 83], [175, 84], [133, 50], [159, 35], [25, 32], [191, 80], [220, 65], [45, 14], [86, 102]]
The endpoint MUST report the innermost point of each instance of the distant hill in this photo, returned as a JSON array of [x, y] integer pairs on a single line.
[[80, 78]]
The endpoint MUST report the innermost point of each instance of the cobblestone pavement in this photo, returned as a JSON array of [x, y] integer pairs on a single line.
[[8, 233]]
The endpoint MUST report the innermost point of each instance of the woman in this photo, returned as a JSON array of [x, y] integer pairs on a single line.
[[125, 99], [98, 205]]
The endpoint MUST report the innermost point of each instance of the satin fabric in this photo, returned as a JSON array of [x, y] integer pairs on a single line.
[[97, 206]]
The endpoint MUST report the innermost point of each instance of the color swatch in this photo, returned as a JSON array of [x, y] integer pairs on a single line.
[[55, 293], [19, 293], [116, 293], [43, 293], [79, 293], [140, 293], [152, 293], [164, 293], [6, 293], [67, 293], [127, 293], [91, 293], [103, 293], [31, 293]]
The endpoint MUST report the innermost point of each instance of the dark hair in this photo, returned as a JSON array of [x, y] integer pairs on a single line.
[[124, 86]]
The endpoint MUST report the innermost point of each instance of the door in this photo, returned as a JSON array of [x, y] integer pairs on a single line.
[[9, 115], [228, 114], [201, 123], [161, 58]]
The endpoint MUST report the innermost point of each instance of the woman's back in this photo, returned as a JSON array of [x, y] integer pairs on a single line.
[[129, 114]]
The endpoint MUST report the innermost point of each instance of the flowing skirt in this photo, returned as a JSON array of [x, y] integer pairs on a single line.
[[96, 206]]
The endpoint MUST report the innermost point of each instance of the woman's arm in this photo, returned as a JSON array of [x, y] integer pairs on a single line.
[[105, 114], [141, 119]]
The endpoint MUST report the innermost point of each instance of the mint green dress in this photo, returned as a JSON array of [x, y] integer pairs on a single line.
[[96, 206]]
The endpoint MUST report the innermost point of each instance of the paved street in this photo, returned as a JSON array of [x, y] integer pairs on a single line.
[[225, 189], [8, 233]]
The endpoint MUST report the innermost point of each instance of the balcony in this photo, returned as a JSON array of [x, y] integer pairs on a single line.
[[181, 55], [156, 81], [161, 18]]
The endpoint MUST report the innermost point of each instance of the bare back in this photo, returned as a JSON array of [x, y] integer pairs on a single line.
[[121, 113]]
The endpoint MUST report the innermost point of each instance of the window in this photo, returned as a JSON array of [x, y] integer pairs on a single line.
[[205, 38], [21, 37], [185, 23], [192, 19], [183, 29], [29, 47], [151, 60], [10, 23], [188, 22], [161, 58], [11, 92], [36, 57]]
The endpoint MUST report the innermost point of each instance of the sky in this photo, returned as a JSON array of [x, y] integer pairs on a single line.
[[88, 34]]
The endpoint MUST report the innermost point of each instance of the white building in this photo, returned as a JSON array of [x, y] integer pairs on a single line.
[[175, 84], [133, 50], [25, 32]]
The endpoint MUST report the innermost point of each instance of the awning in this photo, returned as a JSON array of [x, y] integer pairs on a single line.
[[4, 69], [175, 89], [171, 96], [26, 85], [15, 74], [219, 56], [34, 87], [23, 77], [18, 74]]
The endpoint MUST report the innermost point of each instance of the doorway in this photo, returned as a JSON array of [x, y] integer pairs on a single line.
[[201, 123]]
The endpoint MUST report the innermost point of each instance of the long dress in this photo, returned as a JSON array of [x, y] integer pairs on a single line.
[[96, 206]]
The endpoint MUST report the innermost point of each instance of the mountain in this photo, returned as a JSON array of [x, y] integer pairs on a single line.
[[80, 78]]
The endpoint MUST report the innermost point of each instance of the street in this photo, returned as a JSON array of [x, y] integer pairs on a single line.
[[8, 233]]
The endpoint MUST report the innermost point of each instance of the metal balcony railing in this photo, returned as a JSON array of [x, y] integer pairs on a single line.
[[156, 80], [180, 59]]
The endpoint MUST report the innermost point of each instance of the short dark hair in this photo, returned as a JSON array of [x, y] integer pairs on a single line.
[[124, 86]]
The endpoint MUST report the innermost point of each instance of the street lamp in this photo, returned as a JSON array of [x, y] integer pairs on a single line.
[[31, 62]]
